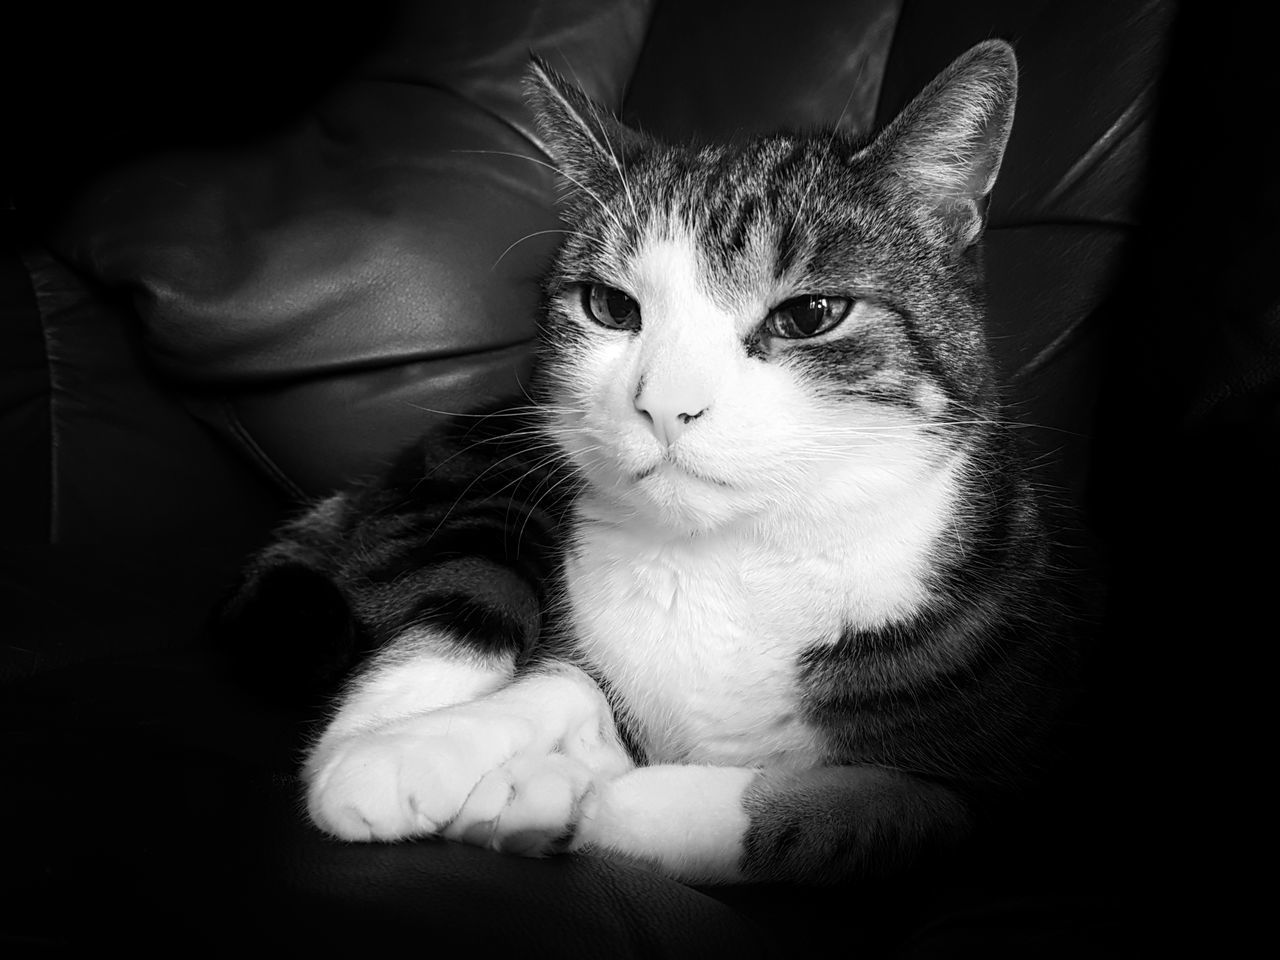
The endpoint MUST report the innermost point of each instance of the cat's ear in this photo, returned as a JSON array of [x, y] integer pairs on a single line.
[[948, 142], [583, 138]]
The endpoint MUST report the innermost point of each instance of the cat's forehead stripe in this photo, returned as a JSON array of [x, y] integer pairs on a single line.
[[771, 210], [756, 215]]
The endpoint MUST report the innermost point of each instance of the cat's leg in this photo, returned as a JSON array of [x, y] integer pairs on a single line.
[[433, 577], [479, 759], [739, 824]]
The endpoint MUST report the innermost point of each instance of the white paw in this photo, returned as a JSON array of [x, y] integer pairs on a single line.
[[685, 821], [505, 772], [528, 806]]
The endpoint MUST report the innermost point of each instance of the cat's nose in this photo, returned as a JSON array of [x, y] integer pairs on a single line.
[[669, 414]]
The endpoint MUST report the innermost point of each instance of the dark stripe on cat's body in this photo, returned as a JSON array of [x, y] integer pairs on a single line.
[[787, 253], [481, 540], [745, 220], [478, 625], [961, 687], [857, 367], [830, 824], [923, 353], [870, 674], [474, 495]]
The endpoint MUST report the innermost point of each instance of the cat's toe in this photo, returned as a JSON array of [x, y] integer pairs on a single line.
[[389, 787], [477, 820], [542, 812], [595, 744], [350, 799]]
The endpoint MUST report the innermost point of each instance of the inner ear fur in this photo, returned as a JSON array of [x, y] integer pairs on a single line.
[[583, 138], [947, 143]]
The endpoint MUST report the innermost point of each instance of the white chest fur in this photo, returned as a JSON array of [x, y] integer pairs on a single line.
[[699, 636]]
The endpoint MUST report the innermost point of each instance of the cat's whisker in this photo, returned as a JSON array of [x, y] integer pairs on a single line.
[[557, 483], [516, 411], [463, 451], [540, 233], [613, 155], [469, 487], [559, 171], [835, 133]]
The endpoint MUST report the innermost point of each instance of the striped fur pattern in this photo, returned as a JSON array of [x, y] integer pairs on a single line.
[[756, 590]]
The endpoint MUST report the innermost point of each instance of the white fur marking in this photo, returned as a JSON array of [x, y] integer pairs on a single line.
[[700, 635], [688, 821], [415, 685], [703, 565], [506, 770]]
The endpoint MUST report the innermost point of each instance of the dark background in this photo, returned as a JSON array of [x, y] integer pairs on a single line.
[[1185, 492]]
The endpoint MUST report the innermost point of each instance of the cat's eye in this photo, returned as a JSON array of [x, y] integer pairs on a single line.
[[806, 316], [611, 307]]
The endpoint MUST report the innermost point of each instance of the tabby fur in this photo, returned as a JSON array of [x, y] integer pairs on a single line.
[[731, 602]]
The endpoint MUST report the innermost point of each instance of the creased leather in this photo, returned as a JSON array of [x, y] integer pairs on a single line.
[[1085, 70], [725, 70], [405, 221]]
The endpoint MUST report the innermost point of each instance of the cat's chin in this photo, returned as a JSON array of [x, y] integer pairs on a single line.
[[685, 499]]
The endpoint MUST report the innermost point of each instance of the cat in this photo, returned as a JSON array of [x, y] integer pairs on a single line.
[[758, 589]]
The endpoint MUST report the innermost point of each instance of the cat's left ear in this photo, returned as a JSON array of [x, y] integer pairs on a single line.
[[584, 139], [948, 142]]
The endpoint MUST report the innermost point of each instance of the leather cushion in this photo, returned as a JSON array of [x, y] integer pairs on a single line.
[[326, 294], [403, 223], [161, 805]]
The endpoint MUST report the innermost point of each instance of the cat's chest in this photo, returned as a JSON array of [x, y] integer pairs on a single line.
[[700, 640]]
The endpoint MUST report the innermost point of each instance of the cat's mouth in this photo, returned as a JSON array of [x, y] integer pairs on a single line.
[[668, 466]]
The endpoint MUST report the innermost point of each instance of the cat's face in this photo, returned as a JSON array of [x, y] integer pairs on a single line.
[[792, 323]]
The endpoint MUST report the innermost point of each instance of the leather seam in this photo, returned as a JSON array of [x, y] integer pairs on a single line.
[[255, 450]]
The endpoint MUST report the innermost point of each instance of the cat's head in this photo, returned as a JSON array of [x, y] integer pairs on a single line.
[[736, 329]]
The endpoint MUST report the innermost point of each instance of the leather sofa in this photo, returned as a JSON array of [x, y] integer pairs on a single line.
[[241, 265]]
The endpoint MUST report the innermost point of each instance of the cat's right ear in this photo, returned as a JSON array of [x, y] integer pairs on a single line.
[[948, 142], [583, 138]]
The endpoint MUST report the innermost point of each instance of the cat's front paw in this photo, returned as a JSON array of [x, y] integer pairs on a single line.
[[482, 773], [529, 806], [406, 779]]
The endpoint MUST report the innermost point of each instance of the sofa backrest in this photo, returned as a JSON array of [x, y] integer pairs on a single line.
[[329, 291]]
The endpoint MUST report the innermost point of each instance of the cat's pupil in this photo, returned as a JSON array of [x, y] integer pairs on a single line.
[[612, 307], [809, 314]]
